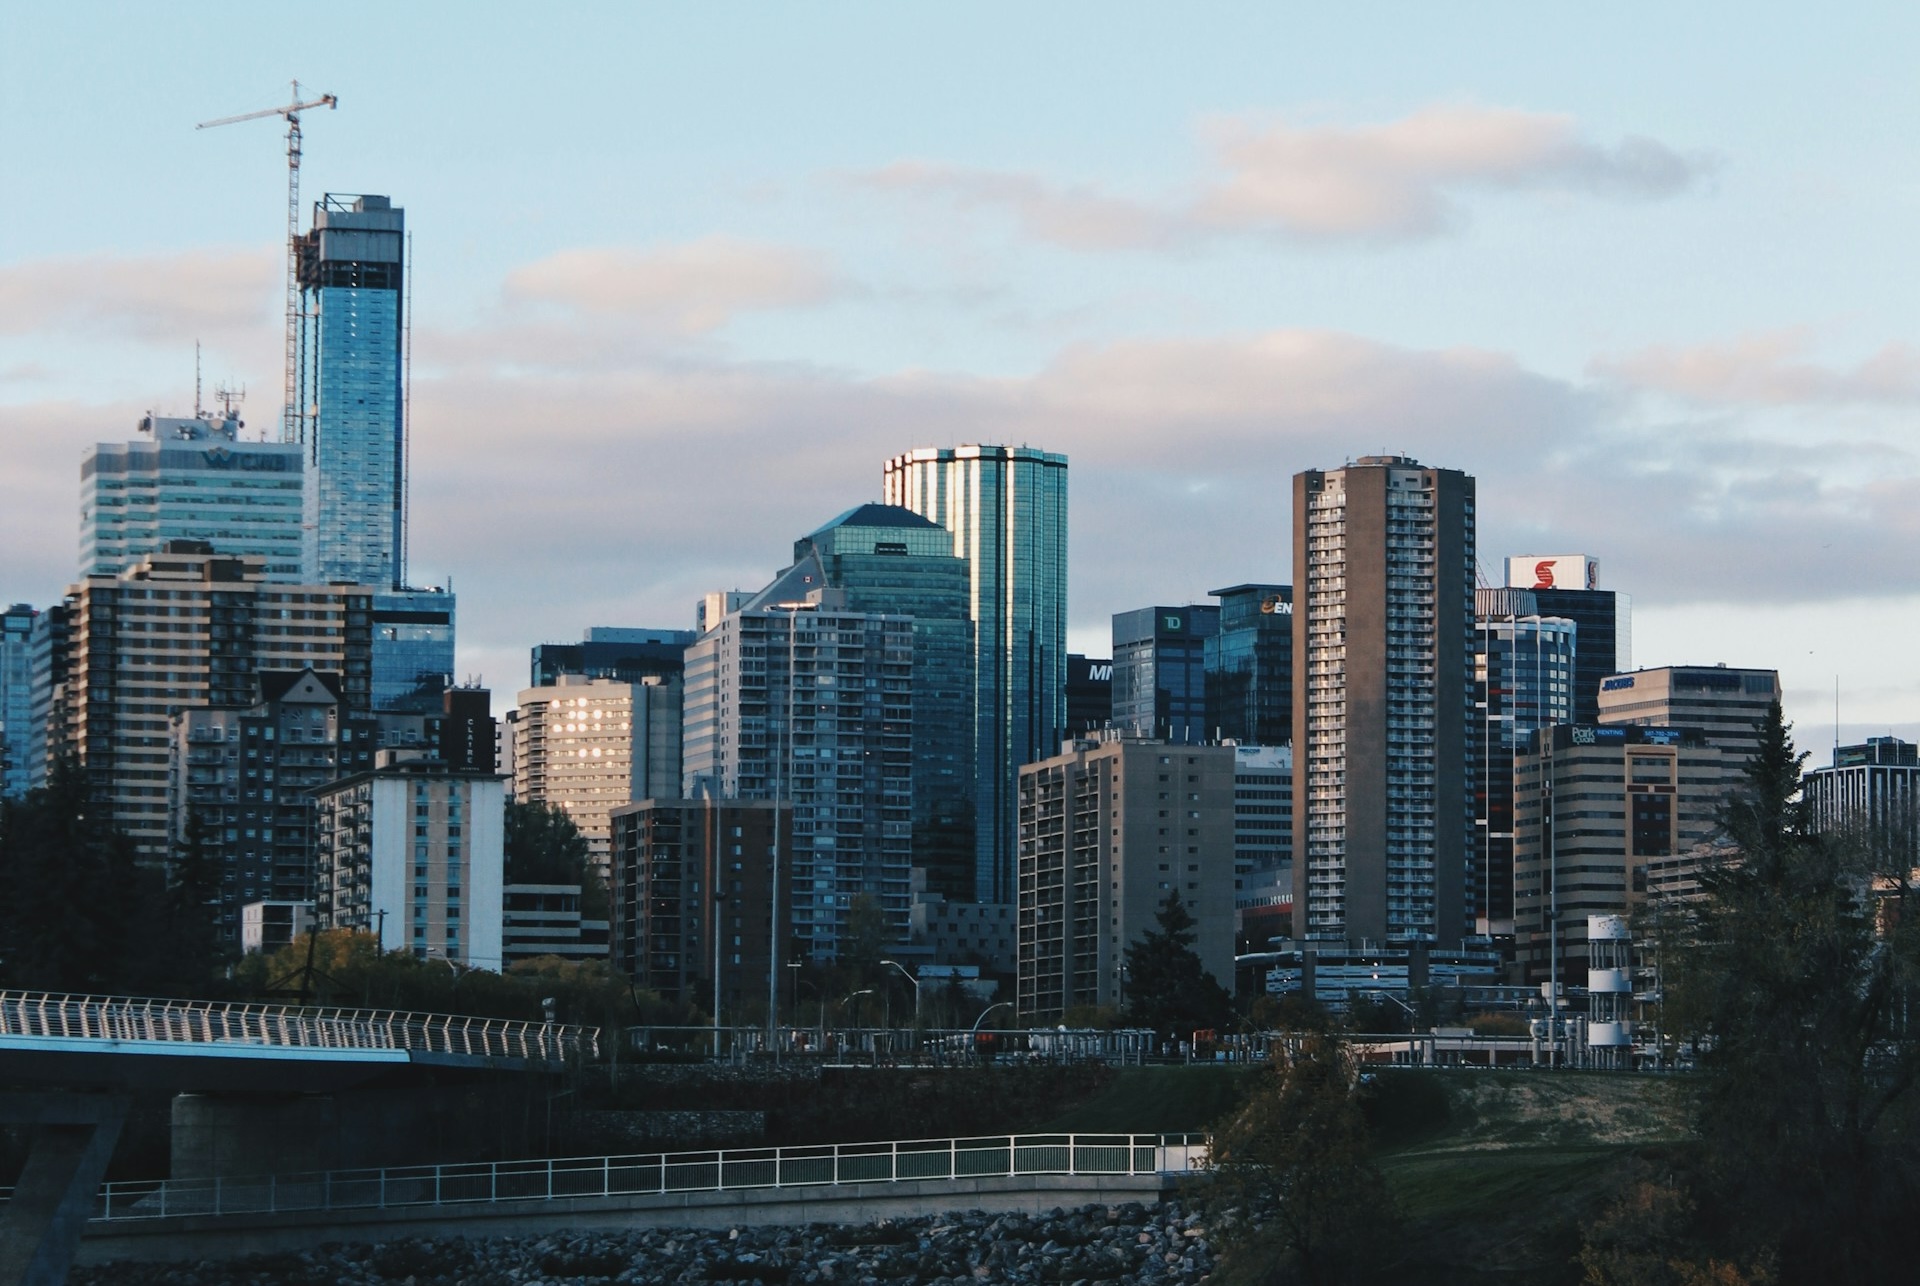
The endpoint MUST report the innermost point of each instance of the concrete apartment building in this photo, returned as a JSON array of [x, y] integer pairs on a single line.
[[691, 876], [1871, 790], [1607, 819], [1384, 577], [1108, 828], [187, 627], [590, 745], [413, 852], [811, 703]]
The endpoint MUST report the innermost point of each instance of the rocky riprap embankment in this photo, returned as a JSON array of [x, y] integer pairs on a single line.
[[1127, 1243]]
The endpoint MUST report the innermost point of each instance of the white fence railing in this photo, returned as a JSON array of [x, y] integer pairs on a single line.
[[129, 1018], [657, 1173]]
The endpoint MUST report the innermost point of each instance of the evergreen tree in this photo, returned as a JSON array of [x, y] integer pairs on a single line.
[[69, 893], [190, 951], [1168, 989], [1807, 1119], [543, 845]]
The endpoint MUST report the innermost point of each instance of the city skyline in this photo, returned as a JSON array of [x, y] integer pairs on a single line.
[[1211, 263]]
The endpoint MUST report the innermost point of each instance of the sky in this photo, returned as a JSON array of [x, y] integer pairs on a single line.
[[685, 276]]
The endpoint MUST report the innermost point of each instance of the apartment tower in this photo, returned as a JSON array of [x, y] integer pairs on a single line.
[[1382, 639]]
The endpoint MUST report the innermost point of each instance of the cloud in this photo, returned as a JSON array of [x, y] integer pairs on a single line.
[[228, 294], [1398, 181], [1767, 369], [691, 288]]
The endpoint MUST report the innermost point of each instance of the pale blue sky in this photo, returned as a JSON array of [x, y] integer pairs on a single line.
[[685, 276]]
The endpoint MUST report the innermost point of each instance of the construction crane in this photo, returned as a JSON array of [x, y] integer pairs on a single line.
[[290, 424]]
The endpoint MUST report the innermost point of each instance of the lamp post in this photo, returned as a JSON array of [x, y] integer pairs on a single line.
[[910, 978], [855, 995], [973, 1037]]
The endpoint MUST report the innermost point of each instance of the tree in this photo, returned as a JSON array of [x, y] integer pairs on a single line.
[[1168, 989], [543, 845], [867, 934], [1807, 1124], [1296, 1159], [70, 894]]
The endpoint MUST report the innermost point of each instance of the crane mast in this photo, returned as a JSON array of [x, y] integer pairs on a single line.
[[290, 416]]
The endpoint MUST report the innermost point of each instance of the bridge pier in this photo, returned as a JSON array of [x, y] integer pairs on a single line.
[[229, 1135], [71, 1139]]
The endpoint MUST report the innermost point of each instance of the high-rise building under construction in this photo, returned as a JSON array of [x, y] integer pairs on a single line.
[[350, 393]]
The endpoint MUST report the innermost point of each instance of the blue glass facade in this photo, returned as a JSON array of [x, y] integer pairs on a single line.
[[16, 699], [1524, 680], [1160, 672], [1250, 666], [351, 401], [1006, 508], [412, 649]]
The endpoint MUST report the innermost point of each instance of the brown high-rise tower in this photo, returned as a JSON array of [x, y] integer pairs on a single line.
[[1383, 574]]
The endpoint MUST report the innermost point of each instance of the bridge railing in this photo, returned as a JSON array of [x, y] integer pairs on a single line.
[[657, 1173], [133, 1018]]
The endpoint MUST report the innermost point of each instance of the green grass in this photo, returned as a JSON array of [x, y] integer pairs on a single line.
[[1157, 1100]]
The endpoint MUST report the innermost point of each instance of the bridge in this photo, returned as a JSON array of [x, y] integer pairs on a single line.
[[74, 1061], [847, 1182]]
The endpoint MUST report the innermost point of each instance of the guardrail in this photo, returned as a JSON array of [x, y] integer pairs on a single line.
[[128, 1018], [656, 1173]]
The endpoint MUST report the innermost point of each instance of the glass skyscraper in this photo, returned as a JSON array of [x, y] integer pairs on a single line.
[[16, 699], [1524, 668], [1160, 671], [412, 649], [891, 561], [1250, 666], [1006, 508], [351, 404], [190, 479]]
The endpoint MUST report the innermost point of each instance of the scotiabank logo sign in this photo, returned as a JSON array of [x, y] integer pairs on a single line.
[[1543, 574], [1558, 571]]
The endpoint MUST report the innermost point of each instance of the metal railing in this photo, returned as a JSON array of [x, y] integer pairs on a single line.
[[657, 1173], [129, 1018]]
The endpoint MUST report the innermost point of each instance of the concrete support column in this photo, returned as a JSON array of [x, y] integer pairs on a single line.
[[72, 1137]]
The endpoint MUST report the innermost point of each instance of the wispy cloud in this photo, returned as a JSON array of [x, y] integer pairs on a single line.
[[1399, 181], [690, 288], [1769, 369], [230, 294]]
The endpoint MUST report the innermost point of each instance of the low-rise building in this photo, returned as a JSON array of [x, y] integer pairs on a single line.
[[549, 920], [1607, 820], [413, 852], [1108, 829]]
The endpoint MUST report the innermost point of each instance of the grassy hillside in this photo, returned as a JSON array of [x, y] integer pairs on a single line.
[[1158, 1100]]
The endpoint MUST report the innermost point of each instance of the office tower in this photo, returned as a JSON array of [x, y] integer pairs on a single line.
[[191, 479], [468, 733], [627, 655], [1871, 792], [351, 406], [1523, 680], [590, 746], [1567, 586], [1262, 812], [890, 561], [180, 628], [1726, 705], [16, 699], [47, 659], [670, 859], [1160, 672], [811, 704], [240, 784], [1108, 828], [412, 648], [1606, 820], [1383, 555], [412, 852], [1089, 694], [1249, 662], [1007, 510]]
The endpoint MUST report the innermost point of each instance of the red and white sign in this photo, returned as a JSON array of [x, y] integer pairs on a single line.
[[1553, 571]]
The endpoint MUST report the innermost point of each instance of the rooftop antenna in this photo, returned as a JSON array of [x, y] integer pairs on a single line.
[[230, 399], [196, 379], [290, 422]]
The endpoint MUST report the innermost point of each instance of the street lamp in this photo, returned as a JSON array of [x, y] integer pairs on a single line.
[[973, 1037], [910, 978]]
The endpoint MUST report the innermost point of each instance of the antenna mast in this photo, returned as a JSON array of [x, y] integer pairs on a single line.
[[290, 421]]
